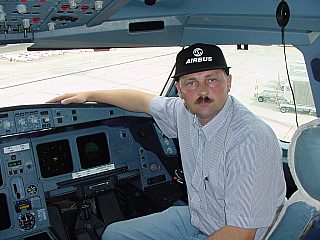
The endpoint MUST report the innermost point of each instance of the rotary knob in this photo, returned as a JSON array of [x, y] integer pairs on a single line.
[[22, 121], [32, 189], [6, 124], [27, 221]]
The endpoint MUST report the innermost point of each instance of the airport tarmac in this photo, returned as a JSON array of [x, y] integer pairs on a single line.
[[35, 77], [40, 79]]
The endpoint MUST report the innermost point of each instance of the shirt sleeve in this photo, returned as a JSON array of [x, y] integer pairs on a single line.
[[163, 110], [251, 193]]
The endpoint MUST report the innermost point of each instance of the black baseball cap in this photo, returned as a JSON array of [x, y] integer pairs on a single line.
[[199, 57]]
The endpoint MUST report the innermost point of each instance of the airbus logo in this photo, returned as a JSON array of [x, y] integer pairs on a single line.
[[197, 52]]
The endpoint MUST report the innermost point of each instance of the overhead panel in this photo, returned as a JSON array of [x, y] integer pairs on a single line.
[[19, 20]]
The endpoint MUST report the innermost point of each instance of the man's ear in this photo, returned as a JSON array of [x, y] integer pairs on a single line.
[[229, 81], [178, 88]]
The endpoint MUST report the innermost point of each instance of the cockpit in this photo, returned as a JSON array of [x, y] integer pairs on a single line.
[[68, 171], [73, 154]]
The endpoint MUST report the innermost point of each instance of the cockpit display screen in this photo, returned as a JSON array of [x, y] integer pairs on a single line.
[[1, 182], [5, 219], [55, 158], [93, 150]]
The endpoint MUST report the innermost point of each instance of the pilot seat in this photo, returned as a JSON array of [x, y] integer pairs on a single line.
[[300, 216]]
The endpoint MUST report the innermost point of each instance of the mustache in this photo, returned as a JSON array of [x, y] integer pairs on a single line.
[[204, 99]]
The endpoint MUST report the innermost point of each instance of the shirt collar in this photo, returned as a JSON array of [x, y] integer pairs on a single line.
[[214, 124]]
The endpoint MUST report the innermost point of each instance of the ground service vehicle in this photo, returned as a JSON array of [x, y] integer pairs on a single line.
[[269, 96], [301, 89], [285, 106], [67, 171]]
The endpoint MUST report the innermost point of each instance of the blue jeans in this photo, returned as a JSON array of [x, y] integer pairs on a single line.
[[173, 223]]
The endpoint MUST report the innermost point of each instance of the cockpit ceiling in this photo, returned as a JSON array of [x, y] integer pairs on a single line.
[[69, 24]]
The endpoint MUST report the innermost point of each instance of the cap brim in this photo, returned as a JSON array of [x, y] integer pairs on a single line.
[[199, 70]]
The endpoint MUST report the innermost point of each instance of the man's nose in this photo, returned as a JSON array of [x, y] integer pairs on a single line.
[[203, 89]]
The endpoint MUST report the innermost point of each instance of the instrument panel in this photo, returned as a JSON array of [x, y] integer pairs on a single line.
[[19, 20], [52, 151]]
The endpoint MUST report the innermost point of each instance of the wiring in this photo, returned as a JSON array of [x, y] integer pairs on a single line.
[[288, 76], [283, 16]]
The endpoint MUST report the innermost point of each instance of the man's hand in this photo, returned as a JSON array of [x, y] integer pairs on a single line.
[[131, 100], [233, 233], [67, 98]]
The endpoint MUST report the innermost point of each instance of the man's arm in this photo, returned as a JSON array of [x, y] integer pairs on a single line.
[[233, 233], [130, 100]]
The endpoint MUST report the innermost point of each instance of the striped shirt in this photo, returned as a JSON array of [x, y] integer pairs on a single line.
[[232, 165]]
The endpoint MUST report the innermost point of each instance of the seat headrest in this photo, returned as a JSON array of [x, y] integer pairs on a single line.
[[304, 158]]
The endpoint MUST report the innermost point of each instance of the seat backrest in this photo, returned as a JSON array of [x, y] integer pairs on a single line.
[[300, 216]]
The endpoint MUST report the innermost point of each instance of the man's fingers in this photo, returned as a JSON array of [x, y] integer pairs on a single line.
[[62, 98], [73, 99]]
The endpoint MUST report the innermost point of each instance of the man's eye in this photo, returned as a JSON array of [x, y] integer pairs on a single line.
[[211, 80], [191, 84]]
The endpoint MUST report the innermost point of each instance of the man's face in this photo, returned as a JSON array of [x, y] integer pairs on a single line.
[[205, 93]]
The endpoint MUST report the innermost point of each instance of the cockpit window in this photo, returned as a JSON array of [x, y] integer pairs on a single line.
[[260, 82], [260, 78]]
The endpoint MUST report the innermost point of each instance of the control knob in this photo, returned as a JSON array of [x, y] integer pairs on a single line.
[[27, 221], [22, 121], [6, 124], [46, 120]]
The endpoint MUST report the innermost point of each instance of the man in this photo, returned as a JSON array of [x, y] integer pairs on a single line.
[[231, 159]]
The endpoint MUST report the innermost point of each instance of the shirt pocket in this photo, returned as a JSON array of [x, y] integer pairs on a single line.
[[215, 201], [198, 191]]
